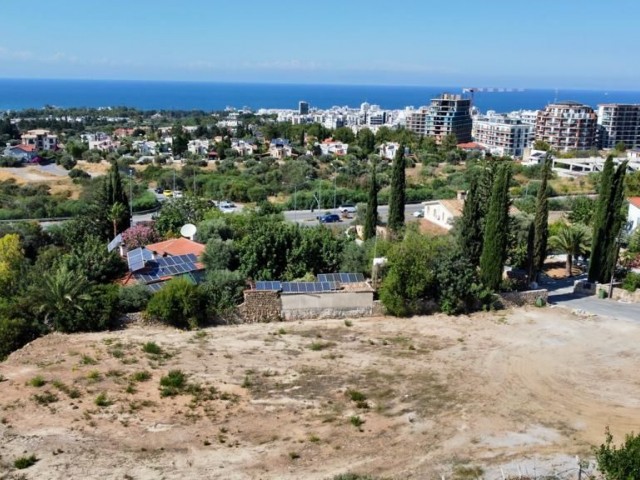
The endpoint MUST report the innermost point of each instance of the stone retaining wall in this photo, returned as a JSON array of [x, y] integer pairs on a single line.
[[519, 299], [260, 306], [625, 296]]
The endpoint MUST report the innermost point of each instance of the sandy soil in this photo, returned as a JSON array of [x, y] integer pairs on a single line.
[[522, 390], [35, 175]]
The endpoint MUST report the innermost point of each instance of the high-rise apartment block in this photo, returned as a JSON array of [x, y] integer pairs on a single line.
[[618, 123], [502, 135], [567, 126], [447, 114], [303, 108]]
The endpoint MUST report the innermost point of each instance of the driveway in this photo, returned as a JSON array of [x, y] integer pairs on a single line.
[[561, 294]]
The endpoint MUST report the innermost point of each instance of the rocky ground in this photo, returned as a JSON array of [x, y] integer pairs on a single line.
[[521, 391]]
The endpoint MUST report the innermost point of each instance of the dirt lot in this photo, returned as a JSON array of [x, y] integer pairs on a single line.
[[525, 390]]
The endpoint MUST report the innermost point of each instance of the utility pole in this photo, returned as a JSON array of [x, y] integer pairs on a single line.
[[131, 196]]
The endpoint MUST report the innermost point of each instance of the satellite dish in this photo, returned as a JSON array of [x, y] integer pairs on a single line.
[[188, 230]]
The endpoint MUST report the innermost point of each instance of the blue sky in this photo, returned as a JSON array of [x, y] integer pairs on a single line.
[[492, 43]]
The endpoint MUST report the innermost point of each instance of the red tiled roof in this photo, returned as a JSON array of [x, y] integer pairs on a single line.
[[635, 201], [470, 146], [177, 246], [26, 148]]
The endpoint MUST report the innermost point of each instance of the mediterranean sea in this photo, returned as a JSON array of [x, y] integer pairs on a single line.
[[19, 94]]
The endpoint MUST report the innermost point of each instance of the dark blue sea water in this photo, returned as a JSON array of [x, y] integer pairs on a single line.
[[16, 94]]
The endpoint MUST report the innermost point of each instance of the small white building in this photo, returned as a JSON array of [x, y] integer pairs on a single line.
[[198, 147], [330, 147], [633, 217], [443, 212], [279, 148], [388, 150]]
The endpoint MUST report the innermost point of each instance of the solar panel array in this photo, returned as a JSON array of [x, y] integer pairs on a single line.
[[166, 267], [341, 277], [137, 257], [154, 287], [308, 287], [115, 243], [268, 286]]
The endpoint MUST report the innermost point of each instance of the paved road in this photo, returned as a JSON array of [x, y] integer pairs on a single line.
[[561, 294], [307, 216]]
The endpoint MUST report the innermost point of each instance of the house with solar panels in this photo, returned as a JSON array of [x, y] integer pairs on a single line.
[[332, 295], [158, 263]]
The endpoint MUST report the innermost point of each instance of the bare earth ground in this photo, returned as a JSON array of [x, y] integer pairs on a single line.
[[525, 390]]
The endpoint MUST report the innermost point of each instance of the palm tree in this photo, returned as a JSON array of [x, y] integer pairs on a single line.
[[115, 215], [573, 240], [62, 293]]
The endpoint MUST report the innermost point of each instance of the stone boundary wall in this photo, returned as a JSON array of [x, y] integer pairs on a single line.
[[519, 299], [582, 287], [625, 296], [260, 306]]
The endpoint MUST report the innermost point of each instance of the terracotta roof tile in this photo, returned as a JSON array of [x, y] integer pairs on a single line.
[[635, 201], [177, 246]]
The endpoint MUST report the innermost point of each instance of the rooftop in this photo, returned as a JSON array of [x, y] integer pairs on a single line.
[[177, 246]]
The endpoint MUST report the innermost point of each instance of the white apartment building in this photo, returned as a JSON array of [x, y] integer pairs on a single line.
[[618, 123], [40, 139], [502, 135]]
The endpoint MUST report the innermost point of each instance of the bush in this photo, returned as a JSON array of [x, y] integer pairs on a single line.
[[133, 299], [79, 174], [25, 462], [619, 463], [173, 383], [631, 282], [14, 334], [179, 303]]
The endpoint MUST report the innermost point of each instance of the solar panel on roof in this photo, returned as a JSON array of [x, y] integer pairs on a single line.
[[115, 243], [154, 287], [147, 254]]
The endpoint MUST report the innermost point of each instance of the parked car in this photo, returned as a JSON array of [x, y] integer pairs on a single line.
[[418, 214], [177, 194], [159, 190], [347, 208], [168, 193], [329, 218]]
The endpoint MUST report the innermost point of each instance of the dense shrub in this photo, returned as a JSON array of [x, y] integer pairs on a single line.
[[619, 463], [133, 299], [180, 303], [631, 282]]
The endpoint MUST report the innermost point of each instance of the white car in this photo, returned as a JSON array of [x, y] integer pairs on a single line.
[[347, 208], [177, 194], [418, 214]]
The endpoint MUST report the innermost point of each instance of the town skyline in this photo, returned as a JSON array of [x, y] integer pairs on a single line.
[[541, 45]]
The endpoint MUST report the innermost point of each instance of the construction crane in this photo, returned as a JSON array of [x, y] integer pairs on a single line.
[[471, 91]]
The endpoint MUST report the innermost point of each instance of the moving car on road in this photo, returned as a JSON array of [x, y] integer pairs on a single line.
[[329, 218], [347, 208]]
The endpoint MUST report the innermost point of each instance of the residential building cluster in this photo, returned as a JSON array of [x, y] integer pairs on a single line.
[[565, 125]]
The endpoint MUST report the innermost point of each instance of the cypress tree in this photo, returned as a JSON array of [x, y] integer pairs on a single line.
[[112, 193], [599, 238], [471, 227], [541, 222], [471, 223], [616, 217], [494, 248], [371, 219], [397, 194]]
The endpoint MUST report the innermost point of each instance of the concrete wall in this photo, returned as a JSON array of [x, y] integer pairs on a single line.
[[518, 299], [326, 305]]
